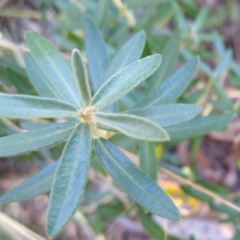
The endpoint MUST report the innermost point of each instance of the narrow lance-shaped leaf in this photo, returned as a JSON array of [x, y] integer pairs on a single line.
[[125, 80], [70, 179], [38, 79], [200, 20], [54, 67], [130, 52], [102, 10], [36, 185], [148, 160], [174, 86], [137, 3], [170, 56], [169, 114], [199, 126], [20, 81], [152, 228], [26, 107], [97, 55], [80, 73], [134, 182], [9, 64], [28, 141], [133, 126], [30, 126], [223, 64]]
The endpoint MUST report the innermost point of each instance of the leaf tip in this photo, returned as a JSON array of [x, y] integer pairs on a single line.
[[176, 215], [51, 229], [142, 34], [197, 59], [28, 34], [157, 58]]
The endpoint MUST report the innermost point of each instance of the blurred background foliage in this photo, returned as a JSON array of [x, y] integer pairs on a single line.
[[198, 169]]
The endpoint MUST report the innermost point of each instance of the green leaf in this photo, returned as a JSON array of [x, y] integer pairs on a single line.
[[36, 185], [54, 67], [196, 194], [199, 126], [125, 80], [70, 180], [223, 65], [137, 3], [102, 12], [148, 160], [200, 20], [133, 126], [170, 56], [20, 81], [97, 55], [130, 52], [152, 228], [30, 126], [173, 87], [134, 182], [39, 81], [8, 64], [168, 115], [26, 107], [179, 18], [80, 73], [29, 141], [226, 102]]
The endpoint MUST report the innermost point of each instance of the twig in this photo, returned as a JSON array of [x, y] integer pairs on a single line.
[[109, 185], [5, 88], [114, 224], [92, 207], [216, 197], [82, 221], [123, 10], [21, 13], [23, 232], [12, 126]]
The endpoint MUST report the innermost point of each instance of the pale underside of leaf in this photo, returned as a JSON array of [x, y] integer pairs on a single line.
[[169, 114], [70, 179], [133, 126], [54, 67], [29, 141], [134, 182], [147, 159], [125, 80], [36, 185], [27, 107]]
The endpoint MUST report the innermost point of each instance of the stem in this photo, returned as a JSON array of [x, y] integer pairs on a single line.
[[123, 10], [23, 232], [12, 126], [216, 197], [21, 13]]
